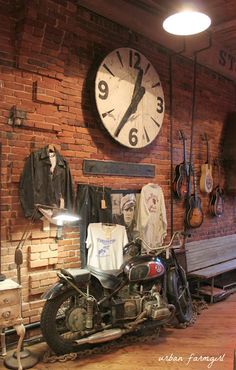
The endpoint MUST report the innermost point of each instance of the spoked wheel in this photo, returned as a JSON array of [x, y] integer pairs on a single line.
[[179, 294], [62, 321]]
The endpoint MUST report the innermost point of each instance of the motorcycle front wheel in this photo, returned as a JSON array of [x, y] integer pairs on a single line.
[[179, 294], [54, 322]]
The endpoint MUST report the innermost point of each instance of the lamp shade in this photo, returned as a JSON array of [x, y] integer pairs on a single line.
[[186, 23], [57, 216], [65, 217]]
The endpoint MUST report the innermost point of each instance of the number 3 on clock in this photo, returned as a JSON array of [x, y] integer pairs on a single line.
[[129, 97]]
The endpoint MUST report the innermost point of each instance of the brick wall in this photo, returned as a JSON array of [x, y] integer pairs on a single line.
[[48, 52]]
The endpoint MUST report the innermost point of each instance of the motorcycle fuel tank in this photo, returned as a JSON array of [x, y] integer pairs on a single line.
[[144, 268]]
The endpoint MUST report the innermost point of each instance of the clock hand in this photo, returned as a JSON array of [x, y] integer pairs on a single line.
[[138, 98], [138, 83], [131, 109]]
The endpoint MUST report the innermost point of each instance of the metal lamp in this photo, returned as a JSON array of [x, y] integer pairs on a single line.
[[54, 215], [187, 21]]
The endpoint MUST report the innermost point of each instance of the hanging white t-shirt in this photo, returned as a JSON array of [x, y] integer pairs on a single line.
[[105, 245], [151, 220]]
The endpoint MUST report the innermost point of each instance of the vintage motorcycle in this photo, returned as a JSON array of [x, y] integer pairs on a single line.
[[87, 307]]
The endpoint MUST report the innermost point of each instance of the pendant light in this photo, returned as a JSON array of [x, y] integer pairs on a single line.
[[188, 21]]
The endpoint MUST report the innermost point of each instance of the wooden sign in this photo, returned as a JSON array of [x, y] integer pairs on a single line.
[[96, 167]]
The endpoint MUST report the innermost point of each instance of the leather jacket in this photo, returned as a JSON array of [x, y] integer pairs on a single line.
[[39, 185]]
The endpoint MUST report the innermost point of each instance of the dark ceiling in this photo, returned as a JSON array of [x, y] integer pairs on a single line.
[[146, 17], [222, 13]]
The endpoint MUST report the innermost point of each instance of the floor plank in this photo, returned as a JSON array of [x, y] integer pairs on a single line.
[[208, 344]]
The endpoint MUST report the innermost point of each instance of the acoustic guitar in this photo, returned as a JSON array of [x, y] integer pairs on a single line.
[[194, 213], [217, 198], [206, 179], [180, 183]]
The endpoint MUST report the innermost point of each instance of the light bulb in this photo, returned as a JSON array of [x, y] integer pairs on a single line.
[[186, 23]]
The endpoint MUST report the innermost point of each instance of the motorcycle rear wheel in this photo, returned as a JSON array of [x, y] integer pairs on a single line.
[[179, 295], [53, 323]]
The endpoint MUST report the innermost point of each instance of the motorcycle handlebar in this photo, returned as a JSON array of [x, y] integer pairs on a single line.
[[181, 237]]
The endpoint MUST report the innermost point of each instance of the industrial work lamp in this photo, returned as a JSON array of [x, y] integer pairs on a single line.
[[56, 216]]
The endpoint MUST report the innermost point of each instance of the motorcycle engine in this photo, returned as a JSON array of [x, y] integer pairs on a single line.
[[76, 319], [125, 309], [80, 318], [126, 306], [129, 307], [156, 309]]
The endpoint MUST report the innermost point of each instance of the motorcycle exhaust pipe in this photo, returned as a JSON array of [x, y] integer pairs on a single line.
[[111, 334], [104, 336]]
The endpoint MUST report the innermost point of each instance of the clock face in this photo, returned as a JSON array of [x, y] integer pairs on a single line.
[[129, 97]]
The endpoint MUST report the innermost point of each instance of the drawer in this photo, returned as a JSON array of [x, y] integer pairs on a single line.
[[9, 297], [9, 315]]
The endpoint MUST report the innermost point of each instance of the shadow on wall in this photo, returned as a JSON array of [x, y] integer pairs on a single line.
[[229, 153]]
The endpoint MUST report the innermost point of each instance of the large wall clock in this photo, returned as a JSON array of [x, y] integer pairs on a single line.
[[129, 97]]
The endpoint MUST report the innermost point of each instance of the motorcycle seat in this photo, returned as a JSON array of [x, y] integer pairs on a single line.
[[77, 274], [110, 279]]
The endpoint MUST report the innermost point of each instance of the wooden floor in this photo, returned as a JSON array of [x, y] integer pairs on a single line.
[[208, 344]]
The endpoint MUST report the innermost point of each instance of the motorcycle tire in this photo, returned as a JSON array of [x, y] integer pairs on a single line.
[[53, 324], [179, 295]]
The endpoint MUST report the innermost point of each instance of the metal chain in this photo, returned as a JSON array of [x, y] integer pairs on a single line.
[[128, 339], [198, 306], [50, 357]]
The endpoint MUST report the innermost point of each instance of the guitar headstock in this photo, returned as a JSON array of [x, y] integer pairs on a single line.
[[206, 139], [218, 165]]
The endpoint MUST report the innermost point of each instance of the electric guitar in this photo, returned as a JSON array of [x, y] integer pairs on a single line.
[[217, 198], [194, 213], [206, 179], [180, 183]]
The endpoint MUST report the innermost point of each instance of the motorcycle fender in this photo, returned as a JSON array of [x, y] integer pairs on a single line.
[[54, 291]]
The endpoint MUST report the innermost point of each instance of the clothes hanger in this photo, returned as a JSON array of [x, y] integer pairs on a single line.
[[108, 224], [103, 201], [51, 148]]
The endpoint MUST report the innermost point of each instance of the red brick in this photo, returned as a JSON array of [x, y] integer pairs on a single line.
[[38, 263]]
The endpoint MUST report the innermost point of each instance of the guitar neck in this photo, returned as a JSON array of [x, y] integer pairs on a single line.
[[219, 173], [208, 150], [195, 186], [208, 153], [181, 136], [190, 173], [184, 151]]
